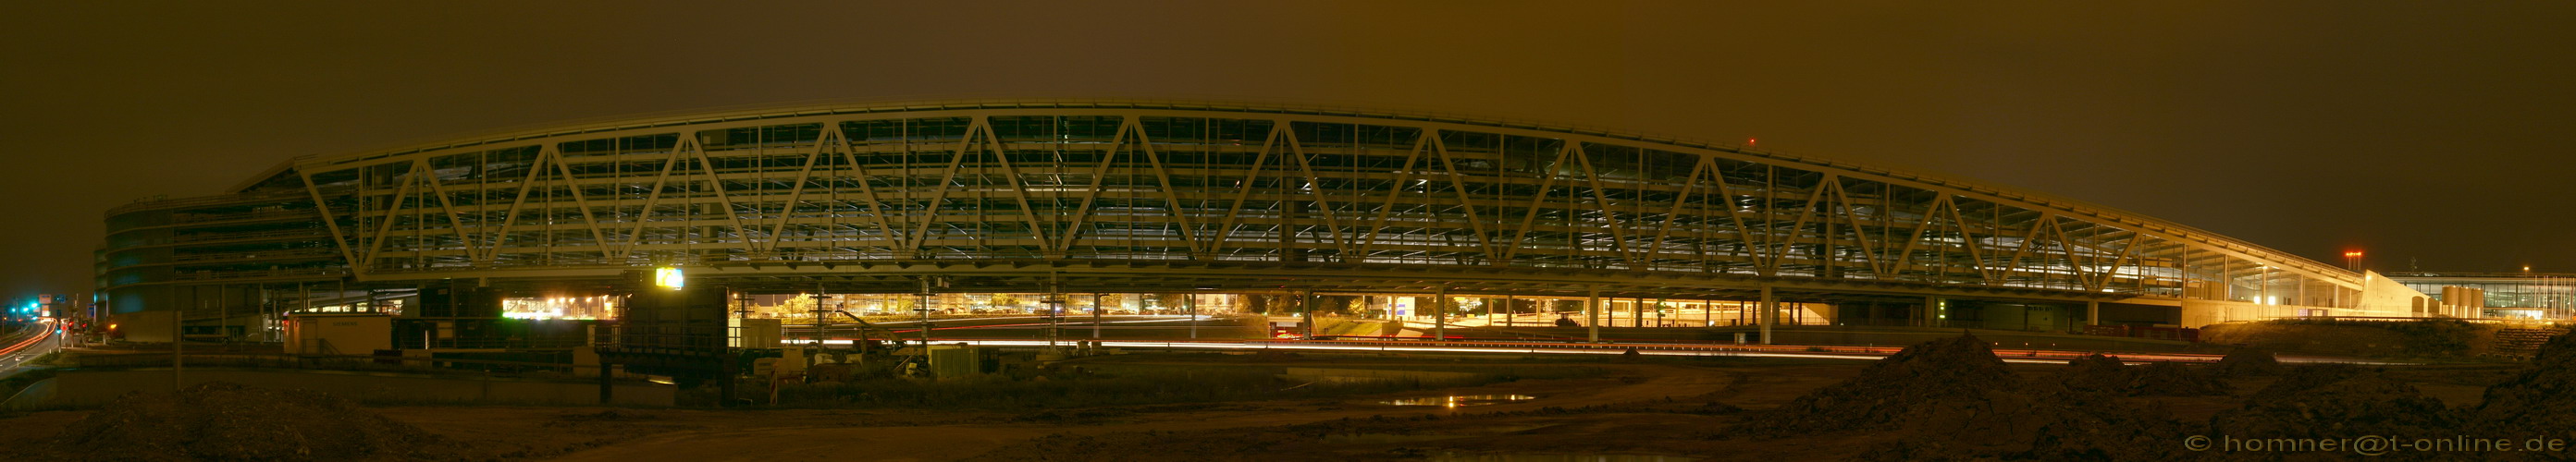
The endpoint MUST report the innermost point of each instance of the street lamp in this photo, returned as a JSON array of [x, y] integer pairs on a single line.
[[2349, 257]]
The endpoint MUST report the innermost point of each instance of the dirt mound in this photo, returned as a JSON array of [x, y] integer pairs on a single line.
[[2427, 338], [2104, 374], [2303, 378], [1953, 398], [1888, 392], [2178, 379], [2248, 361], [612, 415], [2095, 372], [224, 421], [2540, 402], [2336, 401], [2036, 423]]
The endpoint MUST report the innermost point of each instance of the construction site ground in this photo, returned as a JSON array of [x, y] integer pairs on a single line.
[[1681, 408]]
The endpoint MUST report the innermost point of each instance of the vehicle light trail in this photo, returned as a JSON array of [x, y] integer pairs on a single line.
[[31, 340], [2019, 356]]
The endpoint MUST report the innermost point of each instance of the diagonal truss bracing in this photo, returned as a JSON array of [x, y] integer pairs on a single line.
[[1184, 184]]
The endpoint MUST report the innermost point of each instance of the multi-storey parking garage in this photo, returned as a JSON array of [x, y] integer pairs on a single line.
[[1144, 197]]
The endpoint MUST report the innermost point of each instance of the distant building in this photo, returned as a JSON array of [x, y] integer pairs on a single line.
[[2503, 295]]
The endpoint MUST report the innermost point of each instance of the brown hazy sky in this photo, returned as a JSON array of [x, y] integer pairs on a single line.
[[2433, 131]]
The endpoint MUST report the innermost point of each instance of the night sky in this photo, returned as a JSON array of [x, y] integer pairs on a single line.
[[2435, 133]]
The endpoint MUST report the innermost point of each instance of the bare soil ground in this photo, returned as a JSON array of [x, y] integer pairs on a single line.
[[1682, 408]]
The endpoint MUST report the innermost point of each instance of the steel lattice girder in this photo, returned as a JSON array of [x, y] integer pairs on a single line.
[[1153, 183]]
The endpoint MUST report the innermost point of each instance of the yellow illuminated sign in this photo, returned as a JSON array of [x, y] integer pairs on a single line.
[[668, 277]]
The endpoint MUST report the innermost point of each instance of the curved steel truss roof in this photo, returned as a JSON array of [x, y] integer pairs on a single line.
[[1081, 183]]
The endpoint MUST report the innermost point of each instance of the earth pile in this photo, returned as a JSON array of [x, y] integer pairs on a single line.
[[2103, 374], [2336, 401], [1953, 398], [2248, 361], [224, 421], [2538, 403]]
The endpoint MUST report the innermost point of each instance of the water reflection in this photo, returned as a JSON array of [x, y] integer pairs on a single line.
[[1453, 401]]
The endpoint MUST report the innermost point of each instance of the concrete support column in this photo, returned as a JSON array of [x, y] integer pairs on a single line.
[[1770, 314], [1306, 307], [607, 383], [2092, 313], [1440, 318], [2266, 279], [1931, 312], [1636, 312], [1592, 313]]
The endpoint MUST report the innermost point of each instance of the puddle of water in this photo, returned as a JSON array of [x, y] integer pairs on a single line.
[[1457, 400], [1555, 458]]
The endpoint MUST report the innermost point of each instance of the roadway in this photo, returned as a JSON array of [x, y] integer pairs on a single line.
[[26, 345]]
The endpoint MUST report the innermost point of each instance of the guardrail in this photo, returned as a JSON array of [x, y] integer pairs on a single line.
[[343, 362], [2411, 319], [252, 255], [2025, 355], [142, 205], [211, 237], [187, 218], [277, 273]]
